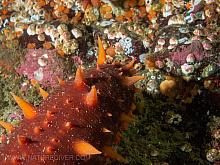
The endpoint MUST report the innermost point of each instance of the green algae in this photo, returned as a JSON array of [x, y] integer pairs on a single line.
[[151, 139]]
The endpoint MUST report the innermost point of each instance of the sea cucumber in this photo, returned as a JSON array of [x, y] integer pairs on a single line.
[[77, 121]]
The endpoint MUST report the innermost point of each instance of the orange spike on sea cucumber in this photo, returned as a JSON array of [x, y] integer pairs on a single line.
[[101, 53], [68, 125], [133, 107], [9, 127], [61, 82], [49, 150], [84, 148], [91, 98], [129, 65], [34, 82], [43, 93], [28, 110], [79, 78], [109, 151], [55, 140], [128, 81], [126, 118], [109, 114], [105, 130], [38, 130], [23, 140]]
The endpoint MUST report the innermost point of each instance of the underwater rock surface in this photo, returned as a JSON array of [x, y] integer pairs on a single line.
[[171, 46]]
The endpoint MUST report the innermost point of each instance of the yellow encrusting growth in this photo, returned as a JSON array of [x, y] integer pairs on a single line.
[[101, 53], [28, 110], [83, 148], [9, 127]]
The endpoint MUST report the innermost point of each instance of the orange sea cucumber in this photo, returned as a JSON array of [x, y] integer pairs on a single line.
[[77, 122]]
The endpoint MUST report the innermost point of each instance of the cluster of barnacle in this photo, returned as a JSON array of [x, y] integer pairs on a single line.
[[183, 35], [123, 40], [44, 12], [152, 82], [153, 11], [30, 18], [188, 58], [179, 49], [27, 11], [60, 36], [184, 46], [42, 19]]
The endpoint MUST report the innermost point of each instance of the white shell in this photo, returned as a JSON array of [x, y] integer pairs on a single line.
[[48, 29], [190, 58], [197, 32], [76, 33], [62, 28], [42, 62], [176, 19], [65, 36], [69, 5], [41, 37], [39, 29], [187, 69], [54, 34], [14, 17], [167, 10], [31, 30], [146, 43], [183, 40], [173, 41], [158, 48], [38, 74], [142, 57], [45, 55], [207, 46], [171, 47], [161, 41]]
